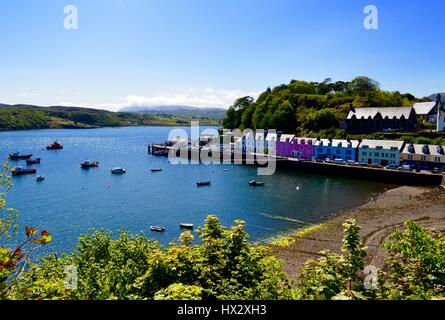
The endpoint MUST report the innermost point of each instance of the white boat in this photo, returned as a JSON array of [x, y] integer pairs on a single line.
[[118, 171]]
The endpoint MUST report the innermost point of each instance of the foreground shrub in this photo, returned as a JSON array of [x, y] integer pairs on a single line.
[[224, 265]]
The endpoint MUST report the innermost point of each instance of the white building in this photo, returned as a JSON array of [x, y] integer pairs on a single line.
[[271, 143], [260, 142]]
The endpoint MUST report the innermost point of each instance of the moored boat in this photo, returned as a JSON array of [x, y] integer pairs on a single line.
[[88, 164], [203, 183], [118, 171], [40, 178], [19, 171], [157, 229], [33, 161], [156, 169], [54, 146], [255, 183], [186, 225], [17, 156]]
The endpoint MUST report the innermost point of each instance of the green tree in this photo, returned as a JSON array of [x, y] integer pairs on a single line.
[[336, 276], [362, 85], [415, 264]]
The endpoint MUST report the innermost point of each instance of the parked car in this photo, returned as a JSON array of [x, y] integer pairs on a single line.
[[392, 167], [405, 168], [339, 161], [376, 166]]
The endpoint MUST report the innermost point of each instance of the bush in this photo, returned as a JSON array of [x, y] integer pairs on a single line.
[[224, 265]]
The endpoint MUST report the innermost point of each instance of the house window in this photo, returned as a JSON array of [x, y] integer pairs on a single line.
[[364, 153], [338, 151], [376, 154], [437, 159], [348, 152], [320, 150], [423, 158]]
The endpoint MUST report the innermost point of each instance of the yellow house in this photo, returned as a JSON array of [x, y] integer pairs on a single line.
[[424, 157]]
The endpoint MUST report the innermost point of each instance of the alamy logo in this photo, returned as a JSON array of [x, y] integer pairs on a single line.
[[71, 21], [371, 21], [70, 281], [371, 277]]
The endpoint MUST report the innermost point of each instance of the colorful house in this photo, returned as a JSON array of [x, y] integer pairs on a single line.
[[271, 143], [424, 157], [284, 145], [249, 142], [246, 143], [291, 146], [382, 152], [260, 143], [334, 149]]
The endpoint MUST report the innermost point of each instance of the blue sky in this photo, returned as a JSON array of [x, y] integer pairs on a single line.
[[208, 52]]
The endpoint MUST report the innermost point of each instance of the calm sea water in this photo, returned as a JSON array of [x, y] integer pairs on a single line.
[[71, 201]]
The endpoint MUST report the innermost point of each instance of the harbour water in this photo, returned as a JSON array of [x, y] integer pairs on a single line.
[[71, 201]]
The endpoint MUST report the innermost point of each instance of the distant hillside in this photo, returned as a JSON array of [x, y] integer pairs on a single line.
[[433, 96], [179, 111], [22, 117]]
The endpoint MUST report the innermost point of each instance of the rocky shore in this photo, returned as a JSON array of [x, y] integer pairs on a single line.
[[378, 218]]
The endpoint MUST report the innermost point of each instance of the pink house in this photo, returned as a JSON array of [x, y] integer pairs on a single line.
[[294, 147]]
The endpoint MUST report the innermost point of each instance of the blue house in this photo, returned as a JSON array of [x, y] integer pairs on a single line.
[[345, 150]]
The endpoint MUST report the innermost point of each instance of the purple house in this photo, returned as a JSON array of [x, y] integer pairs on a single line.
[[293, 147]]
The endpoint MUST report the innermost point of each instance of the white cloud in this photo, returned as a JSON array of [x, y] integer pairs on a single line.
[[208, 97]]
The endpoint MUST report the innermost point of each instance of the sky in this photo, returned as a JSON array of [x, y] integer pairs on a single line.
[[207, 53]]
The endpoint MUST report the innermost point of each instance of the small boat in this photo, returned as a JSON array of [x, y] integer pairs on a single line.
[[33, 161], [17, 156], [255, 183], [89, 164], [157, 229], [186, 226], [54, 146], [225, 170], [19, 171], [203, 183], [156, 169], [40, 178], [118, 171]]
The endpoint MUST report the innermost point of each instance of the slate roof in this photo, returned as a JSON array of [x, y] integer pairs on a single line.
[[286, 136], [390, 112], [423, 149], [336, 143], [424, 108], [385, 144]]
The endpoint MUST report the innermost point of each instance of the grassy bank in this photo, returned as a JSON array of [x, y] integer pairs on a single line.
[[25, 117]]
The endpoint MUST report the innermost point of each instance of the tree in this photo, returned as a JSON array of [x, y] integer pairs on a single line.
[[361, 85], [231, 119], [14, 260], [321, 119], [336, 276], [415, 264]]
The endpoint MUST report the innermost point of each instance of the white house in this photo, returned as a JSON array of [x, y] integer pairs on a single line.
[[260, 142], [249, 143], [271, 143]]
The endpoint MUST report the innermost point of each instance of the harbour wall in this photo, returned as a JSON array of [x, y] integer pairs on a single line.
[[322, 168]]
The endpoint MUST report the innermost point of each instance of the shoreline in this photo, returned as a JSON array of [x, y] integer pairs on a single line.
[[377, 218]]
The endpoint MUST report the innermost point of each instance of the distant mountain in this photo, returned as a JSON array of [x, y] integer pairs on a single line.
[[433, 96], [179, 111], [22, 117]]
